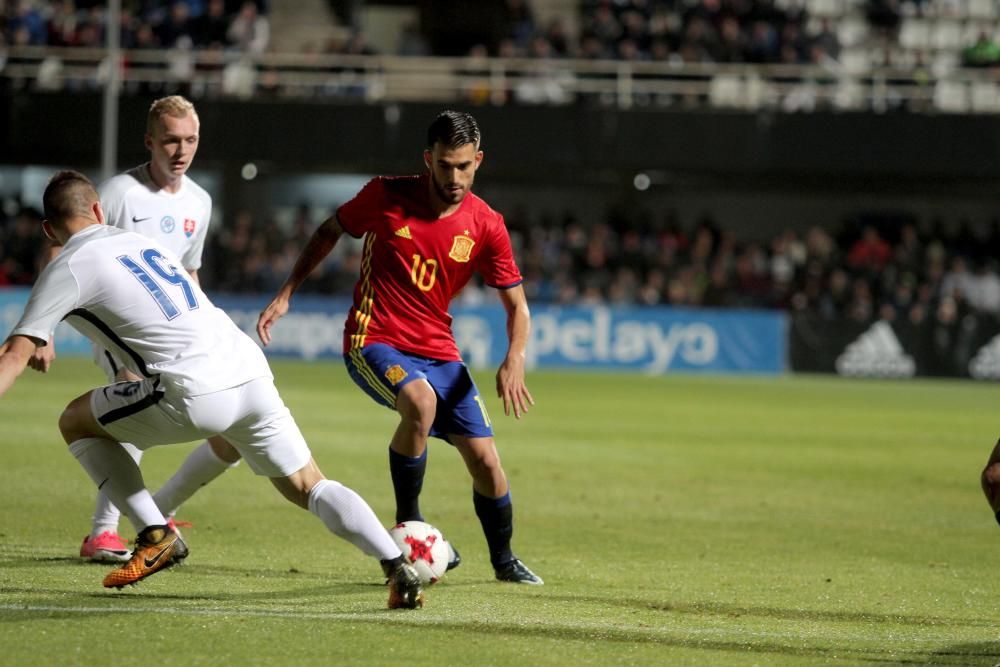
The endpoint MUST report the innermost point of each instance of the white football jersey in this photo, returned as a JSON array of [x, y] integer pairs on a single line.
[[129, 294], [177, 220]]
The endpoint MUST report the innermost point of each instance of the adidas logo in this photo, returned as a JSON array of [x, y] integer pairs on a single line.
[[986, 364], [876, 353], [404, 231]]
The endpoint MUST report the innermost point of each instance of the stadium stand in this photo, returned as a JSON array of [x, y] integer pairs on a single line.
[[794, 55], [889, 268]]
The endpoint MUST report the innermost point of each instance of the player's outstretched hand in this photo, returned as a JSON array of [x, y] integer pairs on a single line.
[[43, 357], [274, 312], [511, 388]]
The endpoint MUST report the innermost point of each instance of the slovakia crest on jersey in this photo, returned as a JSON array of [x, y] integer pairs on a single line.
[[461, 248], [188, 227]]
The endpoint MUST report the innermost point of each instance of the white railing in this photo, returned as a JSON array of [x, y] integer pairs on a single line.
[[515, 80]]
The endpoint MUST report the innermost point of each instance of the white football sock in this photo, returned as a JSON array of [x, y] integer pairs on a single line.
[[118, 476], [199, 468], [347, 515], [106, 515]]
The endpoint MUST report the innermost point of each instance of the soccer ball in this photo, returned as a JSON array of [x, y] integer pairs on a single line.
[[424, 547]]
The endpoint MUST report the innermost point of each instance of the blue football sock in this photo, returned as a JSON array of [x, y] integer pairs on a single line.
[[407, 481], [497, 518]]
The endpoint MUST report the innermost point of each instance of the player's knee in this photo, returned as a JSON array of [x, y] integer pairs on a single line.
[[223, 450], [418, 403], [293, 490], [485, 464], [66, 426], [72, 421]]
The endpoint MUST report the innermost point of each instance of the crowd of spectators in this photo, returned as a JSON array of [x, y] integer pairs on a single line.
[[21, 239], [219, 39], [676, 31], [874, 267], [145, 24], [720, 31], [884, 267], [708, 31]]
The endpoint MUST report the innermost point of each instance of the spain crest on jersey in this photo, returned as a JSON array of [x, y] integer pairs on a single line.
[[461, 248], [395, 374], [188, 227]]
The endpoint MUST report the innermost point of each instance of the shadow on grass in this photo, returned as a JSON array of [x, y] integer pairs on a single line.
[[979, 653], [779, 613], [984, 653], [29, 561], [140, 596], [271, 582]]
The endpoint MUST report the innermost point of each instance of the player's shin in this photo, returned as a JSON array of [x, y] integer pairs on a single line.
[[199, 468], [407, 481], [118, 477], [106, 514], [347, 515], [496, 515]]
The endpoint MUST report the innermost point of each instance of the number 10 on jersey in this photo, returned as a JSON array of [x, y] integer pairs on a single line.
[[158, 265], [424, 279]]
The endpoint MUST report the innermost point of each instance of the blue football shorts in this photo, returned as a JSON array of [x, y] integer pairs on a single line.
[[382, 371]]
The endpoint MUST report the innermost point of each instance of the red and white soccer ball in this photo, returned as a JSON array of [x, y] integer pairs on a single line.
[[424, 547]]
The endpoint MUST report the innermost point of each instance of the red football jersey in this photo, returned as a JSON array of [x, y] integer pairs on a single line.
[[414, 263]]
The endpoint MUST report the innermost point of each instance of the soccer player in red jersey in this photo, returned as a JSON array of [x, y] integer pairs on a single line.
[[425, 236]]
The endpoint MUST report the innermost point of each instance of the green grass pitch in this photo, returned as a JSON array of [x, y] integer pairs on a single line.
[[675, 520]]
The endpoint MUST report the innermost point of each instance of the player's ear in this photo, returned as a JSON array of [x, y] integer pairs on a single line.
[[49, 233], [148, 141], [479, 158], [428, 158], [98, 212]]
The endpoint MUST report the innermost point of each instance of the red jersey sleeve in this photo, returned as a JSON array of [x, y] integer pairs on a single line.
[[364, 211], [496, 263]]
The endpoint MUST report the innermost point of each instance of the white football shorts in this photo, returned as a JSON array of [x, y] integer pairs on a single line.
[[106, 362], [251, 417]]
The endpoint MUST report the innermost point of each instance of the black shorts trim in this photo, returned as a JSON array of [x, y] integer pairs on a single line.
[[111, 362], [113, 337], [128, 410]]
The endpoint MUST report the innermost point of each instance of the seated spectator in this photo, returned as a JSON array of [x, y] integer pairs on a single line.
[[826, 39], [176, 25], [249, 31], [884, 15], [870, 252], [62, 24], [520, 22], [30, 22], [833, 304], [958, 283], [20, 241], [984, 52], [212, 26], [986, 288]]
